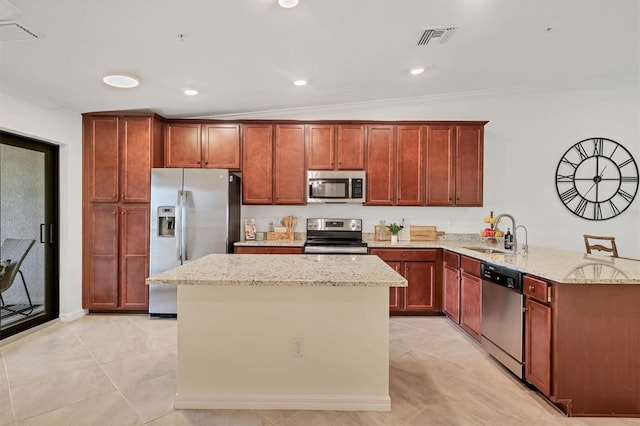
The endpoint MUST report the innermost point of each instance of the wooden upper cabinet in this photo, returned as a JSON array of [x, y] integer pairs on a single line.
[[454, 165], [119, 153], [221, 146], [101, 158], [469, 165], [350, 145], [320, 147], [339, 147], [289, 165], [410, 171], [440, 166], [257, 164], [381, 159], [136, 159], [182, 145]]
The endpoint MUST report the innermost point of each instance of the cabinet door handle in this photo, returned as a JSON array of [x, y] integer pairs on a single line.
[[532, 288], [42, 226]]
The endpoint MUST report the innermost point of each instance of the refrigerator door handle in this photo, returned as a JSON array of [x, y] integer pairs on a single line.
[[179, 229], [185, 224]]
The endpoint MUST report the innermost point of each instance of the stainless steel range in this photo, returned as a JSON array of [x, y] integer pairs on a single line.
[[334, 236]]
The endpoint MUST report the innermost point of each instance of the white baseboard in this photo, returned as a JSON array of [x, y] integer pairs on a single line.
[[73, 315], [284, 402]]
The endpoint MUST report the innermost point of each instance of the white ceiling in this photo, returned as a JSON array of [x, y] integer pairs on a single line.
[[243, 55]]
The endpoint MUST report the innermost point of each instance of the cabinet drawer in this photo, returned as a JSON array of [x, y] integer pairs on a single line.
[[470, 265], [536, 289], [409, 255], [452, 259]]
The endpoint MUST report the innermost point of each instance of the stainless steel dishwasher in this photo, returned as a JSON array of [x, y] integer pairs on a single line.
[[502, 316]]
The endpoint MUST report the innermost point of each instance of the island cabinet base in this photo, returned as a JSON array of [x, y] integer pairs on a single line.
[[595, 355], [283, 347]]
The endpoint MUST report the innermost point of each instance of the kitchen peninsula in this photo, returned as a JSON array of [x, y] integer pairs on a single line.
[[283, 331]]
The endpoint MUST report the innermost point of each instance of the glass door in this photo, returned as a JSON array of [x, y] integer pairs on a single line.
[[28, 233]]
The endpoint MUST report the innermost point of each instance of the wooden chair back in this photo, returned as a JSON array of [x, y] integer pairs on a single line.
[[606, 244]]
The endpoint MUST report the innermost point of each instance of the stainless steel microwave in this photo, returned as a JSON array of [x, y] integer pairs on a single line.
[[336, 186]]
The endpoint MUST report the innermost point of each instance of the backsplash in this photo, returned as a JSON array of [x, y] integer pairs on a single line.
[[455, 220]]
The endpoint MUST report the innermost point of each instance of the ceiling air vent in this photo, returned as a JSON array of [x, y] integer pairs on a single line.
[[12, 31], [435, 35]]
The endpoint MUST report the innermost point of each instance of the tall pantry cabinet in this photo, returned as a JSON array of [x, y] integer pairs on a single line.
[[118, 154]]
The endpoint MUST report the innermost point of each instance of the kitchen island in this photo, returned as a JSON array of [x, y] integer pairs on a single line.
[[283, 332]]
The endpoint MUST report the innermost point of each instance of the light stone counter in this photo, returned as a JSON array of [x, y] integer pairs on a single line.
[[561, 266], [283, 270]]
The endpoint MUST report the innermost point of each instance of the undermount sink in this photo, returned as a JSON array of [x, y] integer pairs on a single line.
[[487, 250]]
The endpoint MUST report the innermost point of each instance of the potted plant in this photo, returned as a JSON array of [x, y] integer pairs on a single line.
[[394, 228]]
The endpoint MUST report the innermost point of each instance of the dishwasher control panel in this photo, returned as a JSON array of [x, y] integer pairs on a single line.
[[502, 276]]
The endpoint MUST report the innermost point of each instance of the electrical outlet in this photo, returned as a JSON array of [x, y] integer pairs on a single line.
[[297, 347]]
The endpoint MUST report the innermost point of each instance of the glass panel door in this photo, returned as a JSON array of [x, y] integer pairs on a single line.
[[28, 227]]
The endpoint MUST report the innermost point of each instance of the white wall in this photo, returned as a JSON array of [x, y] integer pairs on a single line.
[[527, 134], [63, 128]]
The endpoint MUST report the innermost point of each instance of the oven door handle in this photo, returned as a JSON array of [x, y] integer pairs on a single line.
[[334, 250]]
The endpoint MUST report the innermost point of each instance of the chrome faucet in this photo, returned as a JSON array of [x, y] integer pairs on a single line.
[[525, 247], [513, 222]]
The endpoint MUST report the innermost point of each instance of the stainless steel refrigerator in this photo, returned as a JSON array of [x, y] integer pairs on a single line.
[[194, 212]]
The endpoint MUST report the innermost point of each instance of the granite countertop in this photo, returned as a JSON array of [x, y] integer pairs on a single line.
[[561, 266], [283, 270]]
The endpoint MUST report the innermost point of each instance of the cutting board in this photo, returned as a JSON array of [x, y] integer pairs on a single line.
[[376, 232], [424, 233], [279, 236]]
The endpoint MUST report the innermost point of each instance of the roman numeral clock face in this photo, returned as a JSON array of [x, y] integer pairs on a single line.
[[597, 179]]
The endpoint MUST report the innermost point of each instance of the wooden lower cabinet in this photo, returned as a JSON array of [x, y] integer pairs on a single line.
[[537, 344], [268, 250], [134, 257], [116, 257], [451, 302], [471, 304], [470, 296], [420, 268]]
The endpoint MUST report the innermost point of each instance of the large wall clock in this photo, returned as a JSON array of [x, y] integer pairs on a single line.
[[597, 179]]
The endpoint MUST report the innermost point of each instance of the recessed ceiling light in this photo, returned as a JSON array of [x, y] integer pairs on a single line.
[[121, 80], [288, 3], [190, 92], [300, 82], [416, 71]]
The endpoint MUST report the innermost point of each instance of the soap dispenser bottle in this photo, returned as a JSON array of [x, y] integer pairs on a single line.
[[508, 240]]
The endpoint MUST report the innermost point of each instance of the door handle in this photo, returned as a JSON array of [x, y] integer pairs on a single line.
[[185, 225], [43, 230], [179, 229]]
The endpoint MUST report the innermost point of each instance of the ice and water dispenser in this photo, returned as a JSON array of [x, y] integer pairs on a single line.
[[166, 221]]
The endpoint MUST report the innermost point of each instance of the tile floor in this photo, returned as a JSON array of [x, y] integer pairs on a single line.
[[121, 370]]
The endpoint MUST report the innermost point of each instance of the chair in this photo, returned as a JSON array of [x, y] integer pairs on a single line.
[[12, 253], [598, 244]]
